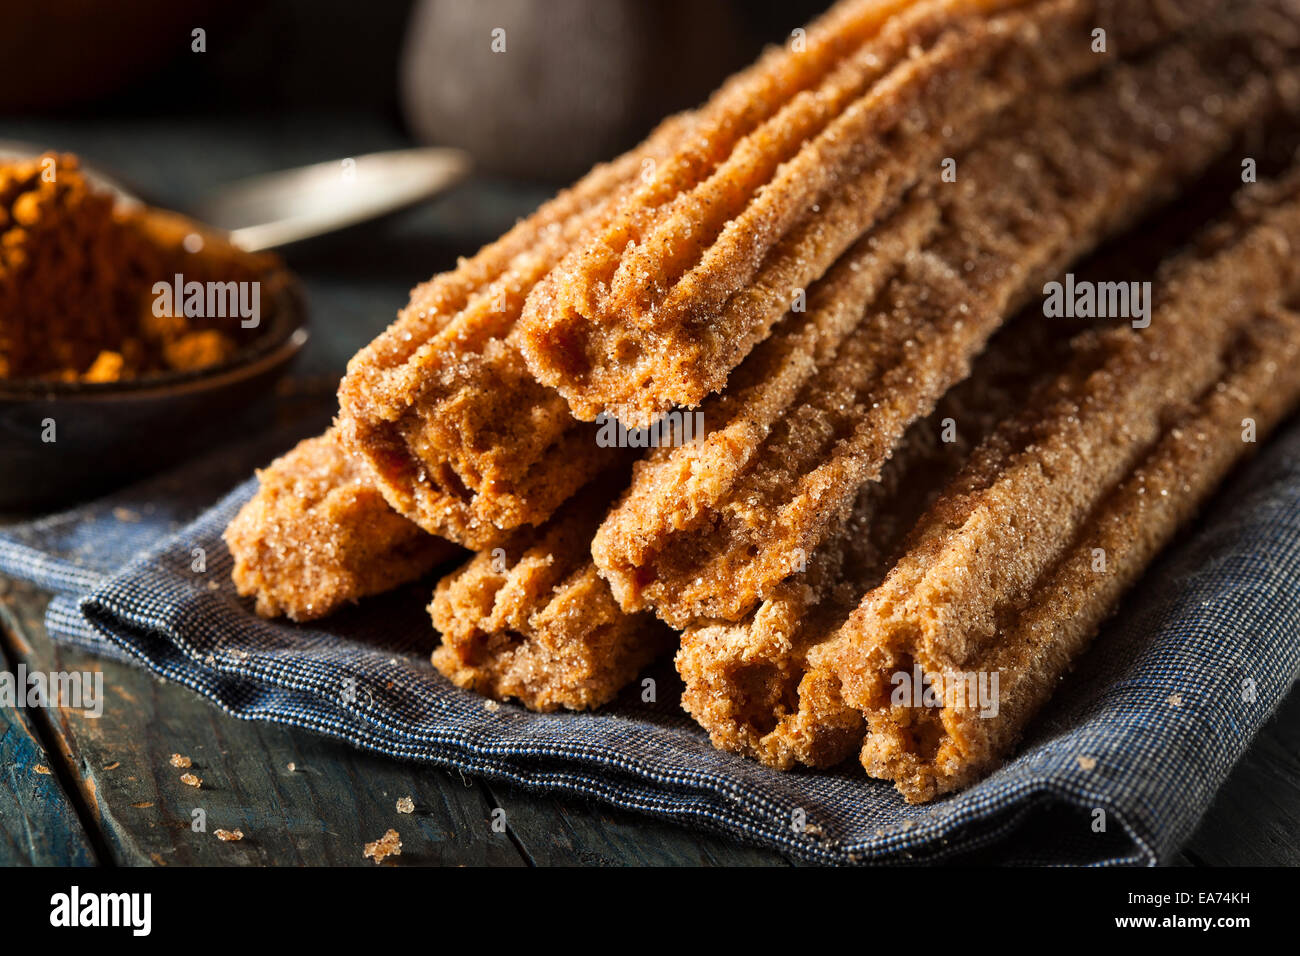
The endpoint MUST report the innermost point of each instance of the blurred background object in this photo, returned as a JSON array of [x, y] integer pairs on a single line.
[[542, 89], [69, 52], [567, 82], [141, 57]]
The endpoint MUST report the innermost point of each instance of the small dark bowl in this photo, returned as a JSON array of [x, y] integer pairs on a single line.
[[109, 433]]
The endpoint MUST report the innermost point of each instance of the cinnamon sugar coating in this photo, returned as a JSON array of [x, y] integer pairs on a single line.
[[1000, 576], [703, 258], [824, 536], [705, 530], [748, 683], [317, 535], [459, 436], [535, 622]]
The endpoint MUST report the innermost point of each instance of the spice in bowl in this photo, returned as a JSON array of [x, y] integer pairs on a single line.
[[96, 290]]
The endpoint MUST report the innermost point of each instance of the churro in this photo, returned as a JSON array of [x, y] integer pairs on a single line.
[[1008, 575], [705, 530], [532, 620], [744, 681], [317, 535], [891, 484], [458, 435], [703, 259], [461, 437]]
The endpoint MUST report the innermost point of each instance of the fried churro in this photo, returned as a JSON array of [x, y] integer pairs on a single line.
[[706, 530], [317, 535], [743, 680], [459, 436], [533, 621], [703, 259], [1010, 572], [462, 438], [889, 482]]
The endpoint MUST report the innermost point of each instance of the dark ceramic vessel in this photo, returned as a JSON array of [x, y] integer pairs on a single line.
[[106, 434]]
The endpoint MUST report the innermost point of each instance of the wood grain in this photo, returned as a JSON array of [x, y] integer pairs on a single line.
[[554, 832], [38, 823]]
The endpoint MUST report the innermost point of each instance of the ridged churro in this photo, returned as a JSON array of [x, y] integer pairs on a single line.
[[533, 621], [703, 259], [892, 477], [705, 531], [317, 535], [743, 680], [1011, 571], [459, 436], [437, 403]]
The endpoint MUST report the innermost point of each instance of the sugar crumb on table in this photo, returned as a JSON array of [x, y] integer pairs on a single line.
[[390, 844]]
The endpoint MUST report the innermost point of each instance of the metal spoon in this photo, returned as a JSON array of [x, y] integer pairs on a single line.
[[275, 209]]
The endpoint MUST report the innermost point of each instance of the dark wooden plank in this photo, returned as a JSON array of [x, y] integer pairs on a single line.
[[320, 813], [1255, 818], [38, 824], [574, 832]]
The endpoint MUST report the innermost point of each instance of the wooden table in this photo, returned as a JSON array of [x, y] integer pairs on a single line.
[[81, 790]]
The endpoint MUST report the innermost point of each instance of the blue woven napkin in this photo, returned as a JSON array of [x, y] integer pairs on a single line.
[[1118, 770]]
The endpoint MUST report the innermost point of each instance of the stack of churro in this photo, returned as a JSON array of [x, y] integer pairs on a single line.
[[899, 516]]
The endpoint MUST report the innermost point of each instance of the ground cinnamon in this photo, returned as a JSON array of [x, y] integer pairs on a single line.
[[80, 275]]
